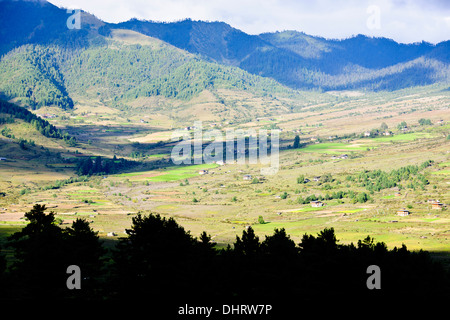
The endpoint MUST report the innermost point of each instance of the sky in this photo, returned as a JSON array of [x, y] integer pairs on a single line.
[[405, 21]]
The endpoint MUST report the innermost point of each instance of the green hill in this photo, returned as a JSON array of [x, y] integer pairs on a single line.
[[31, 74], [123, 67], [120, 70]]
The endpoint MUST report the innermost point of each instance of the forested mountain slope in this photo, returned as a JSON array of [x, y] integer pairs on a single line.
[[302, 61], [46, 63]]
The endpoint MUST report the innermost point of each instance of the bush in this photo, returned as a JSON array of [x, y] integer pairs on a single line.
[[362, 197], [425, 122]]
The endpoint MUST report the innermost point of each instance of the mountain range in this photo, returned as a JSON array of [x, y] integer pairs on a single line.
[[43, 62], [301, 61]]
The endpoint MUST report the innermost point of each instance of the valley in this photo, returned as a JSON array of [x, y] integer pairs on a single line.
[[224, 163], [221, 202], [187, 165]]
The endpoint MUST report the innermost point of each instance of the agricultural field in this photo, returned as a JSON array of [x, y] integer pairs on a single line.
[[220, 201]]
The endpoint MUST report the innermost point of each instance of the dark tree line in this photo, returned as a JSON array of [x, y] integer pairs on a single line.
[[41, 125], [98, 166], [42, 253], [160, 261]]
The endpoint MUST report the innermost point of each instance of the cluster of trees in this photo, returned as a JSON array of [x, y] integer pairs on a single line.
[[98, 166], [41, 125], [6, 120], [61, 183], [160, 261], [7, 132], [425, 122], [402, 125], [42, 253], [360, 197], [23, 143], [373, 181], [378, 180], [137, 154]]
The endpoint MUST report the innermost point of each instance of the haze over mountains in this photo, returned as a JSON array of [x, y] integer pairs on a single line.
[[44, 62]]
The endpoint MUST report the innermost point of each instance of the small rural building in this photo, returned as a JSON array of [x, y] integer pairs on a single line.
[[247, 177], [316, 178], [203, 172], [367, 134], [437, 205], [387, 133], [403, 212], [306, 181], [342, 156], [2, 159], [317, 204]]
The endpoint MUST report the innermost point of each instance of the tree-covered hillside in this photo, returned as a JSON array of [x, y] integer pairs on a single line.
[[302, 61], [120, 71], [40, 22], [32, 74], [116, 73], [217, 41], [9, 112], [46, 63]]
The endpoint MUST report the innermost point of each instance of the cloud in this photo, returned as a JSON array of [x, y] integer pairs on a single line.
[[402, 20]]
